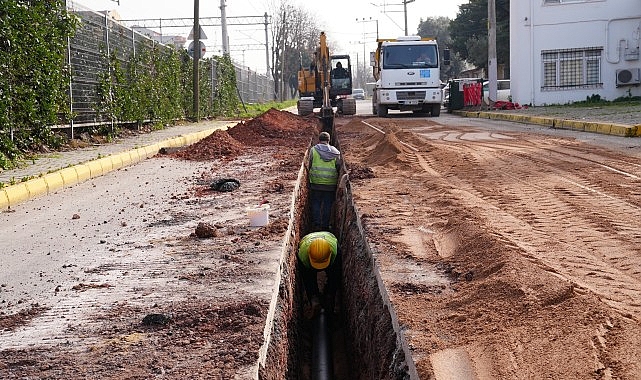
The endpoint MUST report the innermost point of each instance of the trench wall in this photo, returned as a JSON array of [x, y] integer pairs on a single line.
[[277, 361], [378, 349]]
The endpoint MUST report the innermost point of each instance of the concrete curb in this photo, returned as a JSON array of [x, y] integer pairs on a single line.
[[12, 195], [614, 129]]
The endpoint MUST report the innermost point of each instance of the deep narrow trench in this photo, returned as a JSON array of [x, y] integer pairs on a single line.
[[364, 339], [322, 346]]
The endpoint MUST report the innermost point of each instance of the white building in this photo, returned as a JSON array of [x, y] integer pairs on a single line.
[[563, 51]]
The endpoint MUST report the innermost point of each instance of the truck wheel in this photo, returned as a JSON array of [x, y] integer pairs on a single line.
[[382, 110], [349, 106], [436, 110], [305, 107]]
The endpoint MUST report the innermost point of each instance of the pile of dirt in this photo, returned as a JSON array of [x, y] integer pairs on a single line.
[[284, 135], [275, 125], [217, 145], [357, 171]]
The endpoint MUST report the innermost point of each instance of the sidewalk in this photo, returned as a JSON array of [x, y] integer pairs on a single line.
[[618, 120], [56, 170]]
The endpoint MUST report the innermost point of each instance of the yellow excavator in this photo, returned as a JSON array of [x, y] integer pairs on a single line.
[[326, 84]]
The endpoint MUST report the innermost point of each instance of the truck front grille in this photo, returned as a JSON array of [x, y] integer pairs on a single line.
[[410, 95]]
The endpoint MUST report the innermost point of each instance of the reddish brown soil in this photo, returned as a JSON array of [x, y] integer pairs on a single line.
[[506, 255], [217, 145]]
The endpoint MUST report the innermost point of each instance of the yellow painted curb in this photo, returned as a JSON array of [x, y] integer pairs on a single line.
[[36, 187], [83, 172], [576, 125], [603, 128], [521, 118], [95, 168], [540, 120], [623, 130], [4, 200], [151, 150], [54, 181], [125, 158], [204, 134], [134, 156], [179, 141], [17, 193], [139, 153], [70, 176], [106, 164], [116, 161]]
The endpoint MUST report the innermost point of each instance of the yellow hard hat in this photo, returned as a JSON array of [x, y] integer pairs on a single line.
[[319, 253]]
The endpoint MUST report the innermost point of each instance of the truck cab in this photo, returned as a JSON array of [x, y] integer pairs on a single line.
[[407, 73]]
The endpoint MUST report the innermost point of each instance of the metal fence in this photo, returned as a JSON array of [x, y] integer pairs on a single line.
[[100, 36], [253, 87]]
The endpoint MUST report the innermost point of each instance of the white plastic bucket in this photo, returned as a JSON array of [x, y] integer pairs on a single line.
[[258, 215]]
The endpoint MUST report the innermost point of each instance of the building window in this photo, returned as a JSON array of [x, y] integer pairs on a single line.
[[572, 68]]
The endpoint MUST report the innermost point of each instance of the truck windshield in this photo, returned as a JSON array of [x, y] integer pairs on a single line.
[[410, 56]]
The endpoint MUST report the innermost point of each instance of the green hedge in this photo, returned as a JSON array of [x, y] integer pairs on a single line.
[[156, 85], [34, 80]]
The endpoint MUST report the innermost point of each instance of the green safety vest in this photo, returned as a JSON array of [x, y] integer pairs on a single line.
[[303, 246], [322, 172]]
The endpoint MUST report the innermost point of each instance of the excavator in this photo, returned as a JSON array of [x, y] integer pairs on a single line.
[[324, 85]]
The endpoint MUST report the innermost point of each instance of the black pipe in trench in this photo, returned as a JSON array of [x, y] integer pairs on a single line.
[[321, 342], [321, 348]]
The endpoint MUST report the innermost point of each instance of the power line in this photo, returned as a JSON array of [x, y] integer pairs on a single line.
[[182, 22]]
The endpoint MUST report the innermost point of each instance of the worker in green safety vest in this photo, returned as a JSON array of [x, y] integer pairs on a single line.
[[324, 166], [317, 252]]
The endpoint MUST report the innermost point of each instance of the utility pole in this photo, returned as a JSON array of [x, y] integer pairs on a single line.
[[405, 12], [196, 59], [491, 50], [266, 45], [223, 23]]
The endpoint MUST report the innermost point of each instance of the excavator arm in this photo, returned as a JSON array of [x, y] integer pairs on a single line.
[[316, 90]]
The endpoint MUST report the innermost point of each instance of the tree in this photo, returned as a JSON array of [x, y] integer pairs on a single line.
[[469, 33], [295, 35], [439, 28]]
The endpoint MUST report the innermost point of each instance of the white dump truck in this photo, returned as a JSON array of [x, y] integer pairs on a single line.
[[407, 72]]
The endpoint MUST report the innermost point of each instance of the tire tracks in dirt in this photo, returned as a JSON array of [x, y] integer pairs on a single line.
[[562, 218]]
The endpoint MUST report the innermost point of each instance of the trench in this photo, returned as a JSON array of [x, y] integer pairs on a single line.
[[362, 338]]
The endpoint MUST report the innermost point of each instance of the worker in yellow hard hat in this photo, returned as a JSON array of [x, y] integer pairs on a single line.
[[318, 251]]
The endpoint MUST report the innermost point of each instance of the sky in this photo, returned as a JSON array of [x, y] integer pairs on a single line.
[[350, 25]]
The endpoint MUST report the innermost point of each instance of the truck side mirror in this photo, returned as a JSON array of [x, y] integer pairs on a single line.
[[446, 57]]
